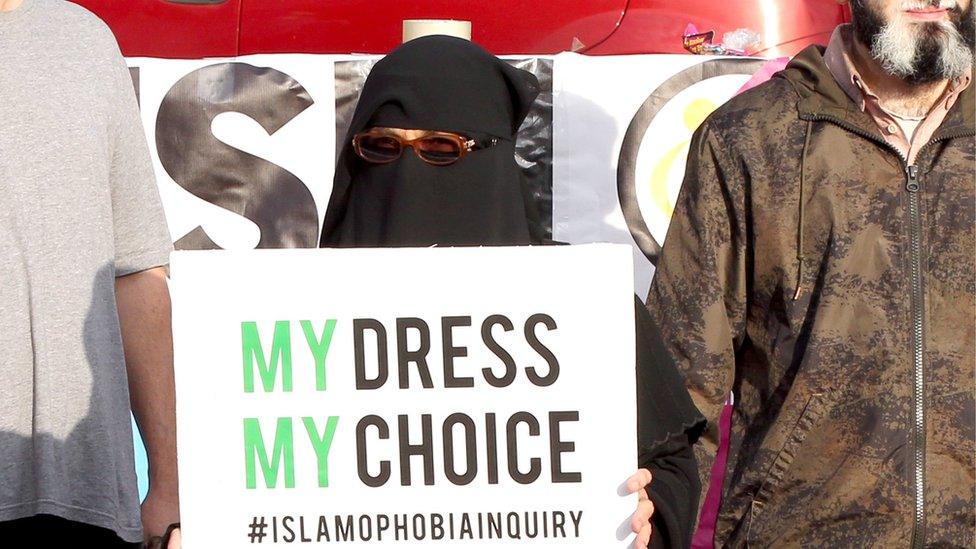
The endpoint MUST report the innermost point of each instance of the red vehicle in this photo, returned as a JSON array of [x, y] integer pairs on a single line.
[[209, 28]]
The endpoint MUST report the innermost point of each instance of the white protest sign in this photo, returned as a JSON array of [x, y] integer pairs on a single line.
[[423, 397]]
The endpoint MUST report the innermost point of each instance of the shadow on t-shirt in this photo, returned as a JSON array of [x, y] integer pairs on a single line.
[[88, 476]]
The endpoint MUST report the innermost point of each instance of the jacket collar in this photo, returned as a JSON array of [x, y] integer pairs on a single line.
[[961, 119], [820, 96]]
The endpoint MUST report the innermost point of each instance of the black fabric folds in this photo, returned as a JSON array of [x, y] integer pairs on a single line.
[[446, 84]]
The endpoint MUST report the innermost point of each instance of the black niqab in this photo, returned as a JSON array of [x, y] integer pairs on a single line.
[[445, 84]]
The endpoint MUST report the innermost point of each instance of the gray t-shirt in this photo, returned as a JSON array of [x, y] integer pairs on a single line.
[[78, 207]]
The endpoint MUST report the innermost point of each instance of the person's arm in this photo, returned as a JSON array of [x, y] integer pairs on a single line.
[[668, 424], [697, 312], [142, 248], [697, 300], [144, 315], [667, 501], [674, 493]]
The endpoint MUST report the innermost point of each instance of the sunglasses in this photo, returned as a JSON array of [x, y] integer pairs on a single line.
[[437, 148]]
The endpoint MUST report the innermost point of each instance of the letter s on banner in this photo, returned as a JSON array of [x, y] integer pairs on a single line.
[[276, 200]]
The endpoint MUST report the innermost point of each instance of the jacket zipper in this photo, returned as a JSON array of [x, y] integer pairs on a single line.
[[915, 220], [912, 185]]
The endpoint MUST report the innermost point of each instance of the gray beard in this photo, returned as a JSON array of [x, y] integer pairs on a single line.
[[917, 53], [904, 56]]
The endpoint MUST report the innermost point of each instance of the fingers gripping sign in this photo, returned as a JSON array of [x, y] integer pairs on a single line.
[[640, 522]]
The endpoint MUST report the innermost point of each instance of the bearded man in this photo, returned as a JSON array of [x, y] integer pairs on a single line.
[[820, 266]]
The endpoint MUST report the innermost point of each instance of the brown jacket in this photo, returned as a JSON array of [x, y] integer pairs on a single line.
[[831, 289]]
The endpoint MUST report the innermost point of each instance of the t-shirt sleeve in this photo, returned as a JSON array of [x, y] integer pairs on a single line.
[[142, 239]]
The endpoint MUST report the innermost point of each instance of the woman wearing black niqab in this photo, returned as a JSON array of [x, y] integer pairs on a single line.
[[443, 84], [385, 195]]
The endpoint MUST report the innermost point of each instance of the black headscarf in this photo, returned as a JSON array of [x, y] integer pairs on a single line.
[[446, 84]]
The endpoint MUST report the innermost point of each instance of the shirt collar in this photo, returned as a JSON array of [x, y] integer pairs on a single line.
[[837, 57]]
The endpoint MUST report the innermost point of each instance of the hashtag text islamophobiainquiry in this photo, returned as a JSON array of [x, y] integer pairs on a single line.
[[436, 527]]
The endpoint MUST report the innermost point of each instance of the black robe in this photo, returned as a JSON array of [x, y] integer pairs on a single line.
[[447, 84]]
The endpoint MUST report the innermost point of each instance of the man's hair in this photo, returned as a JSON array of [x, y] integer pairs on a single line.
[[918, 53]]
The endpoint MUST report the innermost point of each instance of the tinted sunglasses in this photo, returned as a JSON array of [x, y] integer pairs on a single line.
[[437, 148]]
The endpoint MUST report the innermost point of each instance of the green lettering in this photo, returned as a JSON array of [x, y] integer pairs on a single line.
[[284, 450], [253, 353], [322, 445], [319, 348]]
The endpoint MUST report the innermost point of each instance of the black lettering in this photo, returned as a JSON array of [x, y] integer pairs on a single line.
[[365, 527], [273, 198], [323, 530], [535, 464], [448, 323], [289, 533], [533, 531], [384, 434], [543, 351], [491, 443], [400, 527], [382, 525], [466, 527], [558, 523], [345, 532], [436, 526], [359, 327], [502, 354], [494, 525], [576, 520], [425, 449], [418, 357], [513, 531], [470, 447], [558, 447], [419, 527]]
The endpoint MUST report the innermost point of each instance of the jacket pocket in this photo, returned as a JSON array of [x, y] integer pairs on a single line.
[[810, 417]]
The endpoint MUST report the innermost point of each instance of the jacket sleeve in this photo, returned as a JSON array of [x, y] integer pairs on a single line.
[[697, 299]]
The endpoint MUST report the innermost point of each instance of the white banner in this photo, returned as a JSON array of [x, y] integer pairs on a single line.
[[621, 128], [244, 147], [423, 397]]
